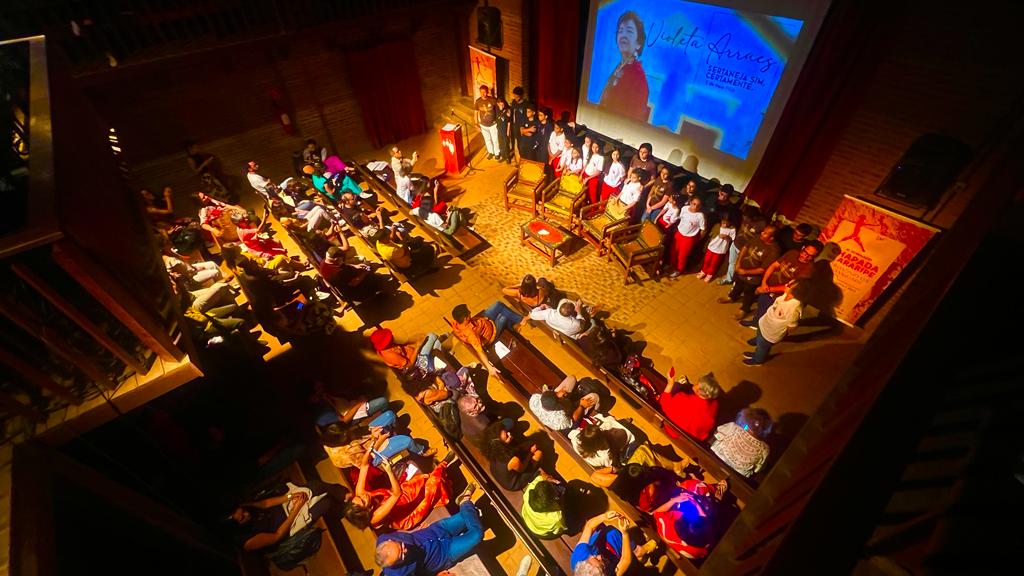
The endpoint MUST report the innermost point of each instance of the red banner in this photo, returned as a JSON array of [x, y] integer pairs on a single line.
[[876, 245]]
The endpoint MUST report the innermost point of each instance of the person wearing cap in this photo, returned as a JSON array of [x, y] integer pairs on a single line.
[[684, 522], [347, 446], [693, 408], [741, 444], [483, 329]]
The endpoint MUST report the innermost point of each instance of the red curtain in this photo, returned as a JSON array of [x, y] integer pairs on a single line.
[[386, 82], [554, 54], [827, 93]]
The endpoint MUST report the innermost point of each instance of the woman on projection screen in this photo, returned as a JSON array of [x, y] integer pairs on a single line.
[[625, 92]]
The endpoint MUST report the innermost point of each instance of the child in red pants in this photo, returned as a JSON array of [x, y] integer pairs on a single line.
[[718, 249]]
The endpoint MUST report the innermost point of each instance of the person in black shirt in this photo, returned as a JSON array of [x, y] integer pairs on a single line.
[[504, 120], [527, 137], [790, 238], [518, 106], [544, 128], [264, 523], [513, 462]]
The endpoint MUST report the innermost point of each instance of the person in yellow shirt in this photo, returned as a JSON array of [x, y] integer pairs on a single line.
[[542, 509]]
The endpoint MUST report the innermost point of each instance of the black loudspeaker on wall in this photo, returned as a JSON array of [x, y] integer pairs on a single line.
[[488, 26], [925, 171]]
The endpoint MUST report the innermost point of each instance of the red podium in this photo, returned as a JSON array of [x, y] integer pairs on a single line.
[[451, 148]]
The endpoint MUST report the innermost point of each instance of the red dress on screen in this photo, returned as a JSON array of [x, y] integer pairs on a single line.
[[627, 95]]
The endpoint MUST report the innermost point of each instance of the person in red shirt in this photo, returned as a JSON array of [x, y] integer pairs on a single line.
[[694, 408], [626, 90]]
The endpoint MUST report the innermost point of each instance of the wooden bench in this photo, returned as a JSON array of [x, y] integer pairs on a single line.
[[742, 487], [553, 555], [463, 243], [529, 371]]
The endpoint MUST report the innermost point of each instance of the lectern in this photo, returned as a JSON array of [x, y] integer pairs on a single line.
[[451, 148]]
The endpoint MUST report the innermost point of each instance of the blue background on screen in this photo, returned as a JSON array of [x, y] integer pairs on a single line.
[[714, 67]]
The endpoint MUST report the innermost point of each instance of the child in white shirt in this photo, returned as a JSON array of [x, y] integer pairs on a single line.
[[718, 247]]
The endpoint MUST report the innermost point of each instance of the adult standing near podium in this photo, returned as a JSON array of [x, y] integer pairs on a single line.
[[486, 120]]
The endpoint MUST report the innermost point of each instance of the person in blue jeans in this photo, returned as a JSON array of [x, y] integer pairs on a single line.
[[380, 427], [434, 548], [484, 329]]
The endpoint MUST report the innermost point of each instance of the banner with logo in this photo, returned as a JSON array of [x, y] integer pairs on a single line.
[[483, 71], [876, 245]]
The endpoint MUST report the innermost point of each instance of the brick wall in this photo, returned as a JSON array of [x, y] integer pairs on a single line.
[[220, 99], [951, 70], [515, 42]]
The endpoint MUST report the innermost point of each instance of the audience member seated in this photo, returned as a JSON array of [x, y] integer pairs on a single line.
[[434, 548], [694, 408], [347, 446], [411, 255], [531, 291], [643, 486], [265, 523], [513, 461], [560, 409], [484, 329], [195, 275], [215, 217], [331, 409], [602, 441], [402, 356], [685, 523], [356, 282], [569, 317], [254, 239], [447, 222], [741, 443], [542, 506], [401, 506], [368, 223], [606, 550], [208, 299]]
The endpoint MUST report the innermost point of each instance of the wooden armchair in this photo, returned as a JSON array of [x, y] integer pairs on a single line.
[[596, 221], [523, 186], [638, 245], [563, 199]]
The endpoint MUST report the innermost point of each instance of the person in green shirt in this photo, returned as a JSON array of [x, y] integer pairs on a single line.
[[542, 509]]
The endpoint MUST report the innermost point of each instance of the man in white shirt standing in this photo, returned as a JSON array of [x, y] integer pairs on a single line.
[[783, 315], [397, 159], [261, 184], [567, 318]]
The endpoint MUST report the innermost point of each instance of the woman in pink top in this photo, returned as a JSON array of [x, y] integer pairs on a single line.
[[688, 234]]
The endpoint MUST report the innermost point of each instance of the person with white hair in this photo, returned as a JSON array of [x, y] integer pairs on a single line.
[[741, 443], [691, 407]]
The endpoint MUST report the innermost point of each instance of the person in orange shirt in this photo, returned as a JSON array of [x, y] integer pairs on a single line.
[[483, 329]]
